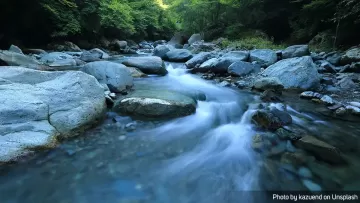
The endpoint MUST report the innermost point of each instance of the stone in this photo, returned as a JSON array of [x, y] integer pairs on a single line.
[[298, 73], [201, 46], [328, 67], [333, 58], [103, 54], [284, 117], [40, 107], [206, 66], [155, 104], [294, 158], [240, 55], [268, 83], [320, 149], [178, 55], [194, 38], [198, 59], [117, 45], [353, 109], [304, 172], [159, 42], [295, 51], [327, 81], [58, 59], [265, 57], [65, 46], [311, 95], [353, 68], [270, 96], [286, 135], [16, 49], [161, 51], [16, 59], [241, 68], [116, 76], [35, 51], [224, 84], [356, 104], [346, 83], [351, 55], [89, 56], [327, 100], [266, 120], [258, 143], [147, 64], [136, 73], [340, 111]]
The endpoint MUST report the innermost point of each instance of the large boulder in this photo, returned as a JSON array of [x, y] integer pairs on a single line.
[[201, 46], [94, 55], [178, 55], [39, 107], [16, 59], [178, 39], [352, 55], [270, 120], [241, 68], [161, 51], [155, 104], [58, 59], [194, 38], [116, 76], [240, 55], [147, 64], [118, 45], [223, 63], [298, 72], [206, 66], [296, 51], [265, 57], [198, 59]]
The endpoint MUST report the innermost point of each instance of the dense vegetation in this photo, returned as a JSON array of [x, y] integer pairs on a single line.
[[326, 23]]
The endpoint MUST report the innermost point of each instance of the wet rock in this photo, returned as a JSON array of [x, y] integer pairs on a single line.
[[265, 57], [310, 95], [340, 111], [159, 42], [266, 120], [287, 135], [353, 68], [118, 45], [147, 64], [65, 46], [222, 64], [295, 51], [179, 55], [356, 104], [327, 81], [194, 38], [103, 54], [352, 55], [320, 149], [241, 68], [206, 66], [241, 84], [268, 83], [284, 117], [201, 46], [240, 55], [89, 56], [136, 73], [224, 84], [198, 59], [294, 158], [156, 104], [327, 100], [270, 96], [16, 59], [161, 51], [258, 143], [116, 76], [353, 110], [328, 67], [295, 72], [38, 107], [16, 49]]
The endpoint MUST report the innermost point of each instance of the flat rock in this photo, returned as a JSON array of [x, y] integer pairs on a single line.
[[147, 64]]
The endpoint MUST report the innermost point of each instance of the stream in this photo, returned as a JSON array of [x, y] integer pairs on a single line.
[[202, 158]]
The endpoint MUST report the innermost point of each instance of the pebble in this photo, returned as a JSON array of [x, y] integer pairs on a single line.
[[313, 187]]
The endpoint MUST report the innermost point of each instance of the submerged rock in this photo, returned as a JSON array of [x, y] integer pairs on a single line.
[[39, 107], [295, 73], [147, 64], [116, 76], [156, 104]]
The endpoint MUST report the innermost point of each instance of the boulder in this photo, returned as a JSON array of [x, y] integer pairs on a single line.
[[161, 51], [201, 46], [296, 51], [178, 39], [221, 65], [103, 54], [265, 57], [117, 45], [268, 120], [198, 59], [159, 42], [66, 46], [326, 66], [353, 68], [89, 56], [206, 66], [320, 149], [333, 58], [178, 55], [58, 59], [352, 55], [16, 49], [240, 55], [116, 76], [147, 64], [268, 83], [136, 73], [16, 59], [155, 104], [194, 38], [39, 107], [346, 83], [298, 72], [241, 68], [35, 51]]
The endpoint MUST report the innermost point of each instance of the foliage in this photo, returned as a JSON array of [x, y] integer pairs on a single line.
[[249, 43]]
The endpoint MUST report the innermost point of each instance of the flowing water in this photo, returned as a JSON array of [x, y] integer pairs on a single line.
[[202, 158]]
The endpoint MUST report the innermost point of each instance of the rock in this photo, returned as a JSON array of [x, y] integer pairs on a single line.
[[284, 117], [118, 45], [327, 100], [39, 107], [145, 45], [294, 158], [353, 68], [304, 172], [241, 68], [116, 76], [16, 49], [266, 120], [178, 39], [35, 51], [159, 42], [268, 83], [224, 84], [333, 58], [346, 83], [16, 59], [356, 104], [198, 59], [136, 73], [222, 64], [295, 51], [311, 95], [352, 55], [326, 81], [241, 84], [265, 57], [194, 38], [89, 56], [161, 51], [311, 186], [320, 149], [147, 64], [328, 67], [178, 55], [206, 66], [340, 111], [295, 73], [270, 96], [58, 59], [66, 46], [103, 54], [156, 104], [240, 55], [258, 143], [286, 135], [353, 109], [201, 46]]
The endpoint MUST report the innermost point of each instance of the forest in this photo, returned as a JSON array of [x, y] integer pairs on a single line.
[[324, 23]]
